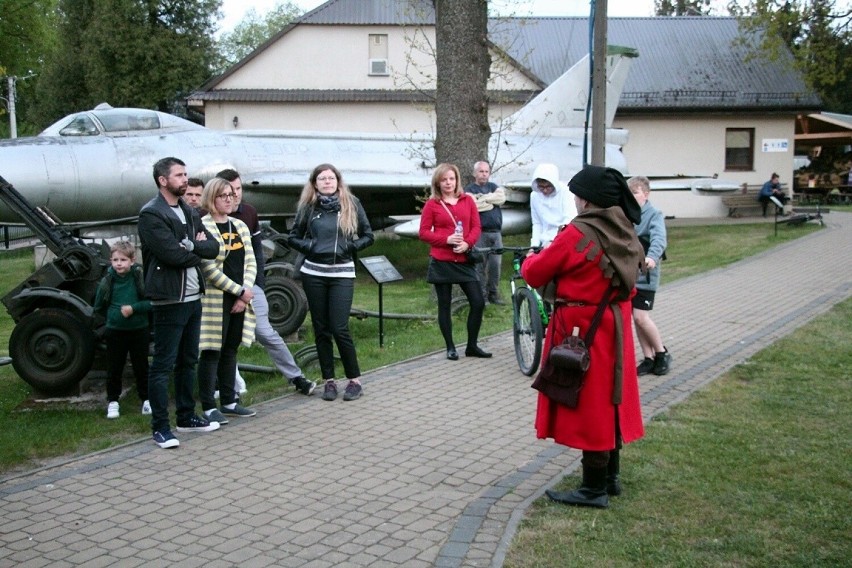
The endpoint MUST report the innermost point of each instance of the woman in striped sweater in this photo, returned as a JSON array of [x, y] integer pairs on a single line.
[[226, 319]]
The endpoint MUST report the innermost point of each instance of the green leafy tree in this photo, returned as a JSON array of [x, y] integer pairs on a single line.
[[62, 85], [817, 32], [142, 53], [27, 32], [252, 31], [682, 7]]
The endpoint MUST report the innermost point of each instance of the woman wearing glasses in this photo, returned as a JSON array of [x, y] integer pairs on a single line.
[[225, 320], [551, 205], [330, 228]]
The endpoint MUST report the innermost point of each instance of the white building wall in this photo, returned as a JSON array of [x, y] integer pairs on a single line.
[[406, 118], [337, 57], [662, 147]]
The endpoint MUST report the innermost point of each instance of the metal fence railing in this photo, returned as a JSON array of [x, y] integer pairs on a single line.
[[16, 236]]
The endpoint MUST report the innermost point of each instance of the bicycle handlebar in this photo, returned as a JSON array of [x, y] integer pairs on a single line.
[[503, 250]]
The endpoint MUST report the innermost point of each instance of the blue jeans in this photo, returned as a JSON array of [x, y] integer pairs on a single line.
[[177, 330], [330, 301]]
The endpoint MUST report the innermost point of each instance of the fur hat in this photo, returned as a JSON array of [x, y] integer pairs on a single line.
[[605, 187]]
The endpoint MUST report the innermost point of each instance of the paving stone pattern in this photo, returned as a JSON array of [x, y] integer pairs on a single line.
[[433, 466]]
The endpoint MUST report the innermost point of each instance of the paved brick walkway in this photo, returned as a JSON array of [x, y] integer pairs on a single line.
[[434, 466]]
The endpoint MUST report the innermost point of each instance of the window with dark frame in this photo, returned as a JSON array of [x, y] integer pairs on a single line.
[[739, 149]]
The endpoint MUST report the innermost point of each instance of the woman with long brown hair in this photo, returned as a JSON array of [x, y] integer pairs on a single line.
[[330, 228]]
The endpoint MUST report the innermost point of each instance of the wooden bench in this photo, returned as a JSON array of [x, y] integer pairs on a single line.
[[745, 200]]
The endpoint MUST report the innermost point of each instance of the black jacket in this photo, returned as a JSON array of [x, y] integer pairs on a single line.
[[164, 259], [315, 234]]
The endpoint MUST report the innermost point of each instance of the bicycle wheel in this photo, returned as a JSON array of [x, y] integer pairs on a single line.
[[527, 330]]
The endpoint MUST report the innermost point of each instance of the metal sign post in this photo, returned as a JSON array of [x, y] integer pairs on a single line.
[[382, 271], [778, 207]]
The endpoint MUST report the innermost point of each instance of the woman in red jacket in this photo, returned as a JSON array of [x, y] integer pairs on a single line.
[[450, 224], [597, 254]]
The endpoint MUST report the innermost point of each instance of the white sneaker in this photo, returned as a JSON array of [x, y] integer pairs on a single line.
[[240, 383], [112, 410], [146, 407]]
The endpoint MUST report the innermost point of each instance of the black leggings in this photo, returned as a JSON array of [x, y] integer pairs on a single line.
[[473, 291], [217, 369], [119, 343]]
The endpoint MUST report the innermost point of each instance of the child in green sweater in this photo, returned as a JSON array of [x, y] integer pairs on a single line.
[[121, 299]]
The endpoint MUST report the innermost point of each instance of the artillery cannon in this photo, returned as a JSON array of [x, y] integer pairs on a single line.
[[53, 345]]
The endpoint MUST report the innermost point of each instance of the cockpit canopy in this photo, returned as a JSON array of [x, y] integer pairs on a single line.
[[117, 122]]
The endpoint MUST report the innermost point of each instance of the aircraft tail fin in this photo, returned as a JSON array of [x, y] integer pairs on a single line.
[[563, 103]]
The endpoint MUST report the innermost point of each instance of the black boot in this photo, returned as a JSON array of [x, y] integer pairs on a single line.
[[645, 367], [613, 483], [662, 362], [592, 493]]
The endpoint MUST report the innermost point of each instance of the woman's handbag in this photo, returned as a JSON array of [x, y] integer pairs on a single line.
[[561, 377], [475, 255]]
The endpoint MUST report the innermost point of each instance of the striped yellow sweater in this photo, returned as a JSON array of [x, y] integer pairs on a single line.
[[217, 283]]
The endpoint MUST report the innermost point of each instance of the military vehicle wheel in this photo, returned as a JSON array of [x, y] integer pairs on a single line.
[[52, 350], [288, 305]]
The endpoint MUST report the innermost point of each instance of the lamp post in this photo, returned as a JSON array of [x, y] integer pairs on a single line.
[[13, 121]]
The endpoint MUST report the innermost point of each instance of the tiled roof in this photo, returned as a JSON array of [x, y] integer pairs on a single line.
[[684, 63], [372, 12]]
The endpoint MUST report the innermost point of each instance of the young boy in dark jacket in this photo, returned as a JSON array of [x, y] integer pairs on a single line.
[[121, 299]]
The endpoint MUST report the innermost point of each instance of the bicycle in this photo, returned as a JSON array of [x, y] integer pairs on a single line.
[[530, 314]]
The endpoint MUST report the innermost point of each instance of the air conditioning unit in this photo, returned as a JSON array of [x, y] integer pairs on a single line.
[[379, 67]]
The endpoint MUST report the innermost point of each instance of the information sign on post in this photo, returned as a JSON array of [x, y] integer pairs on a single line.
[[382, 271], [778, 207]]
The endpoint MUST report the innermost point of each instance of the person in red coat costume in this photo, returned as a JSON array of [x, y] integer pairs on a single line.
[[449, 223], [598, 249]]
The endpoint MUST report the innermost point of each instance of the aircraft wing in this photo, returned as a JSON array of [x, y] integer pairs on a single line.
[[375, 181]]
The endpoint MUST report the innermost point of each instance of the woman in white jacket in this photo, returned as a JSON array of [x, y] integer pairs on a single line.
[[551, 205]]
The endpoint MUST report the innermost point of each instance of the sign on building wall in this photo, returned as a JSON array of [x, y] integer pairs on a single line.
[[775, 145]]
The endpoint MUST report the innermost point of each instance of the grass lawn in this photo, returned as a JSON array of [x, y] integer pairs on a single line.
[[751, 471], [32, 434]]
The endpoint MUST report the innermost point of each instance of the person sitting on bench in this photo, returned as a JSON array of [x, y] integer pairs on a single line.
[[772, 188]]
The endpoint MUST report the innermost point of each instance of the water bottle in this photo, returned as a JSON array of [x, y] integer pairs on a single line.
[[459, 228]]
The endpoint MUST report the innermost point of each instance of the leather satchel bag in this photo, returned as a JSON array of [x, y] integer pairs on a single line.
[[572, 354], [562, 375]]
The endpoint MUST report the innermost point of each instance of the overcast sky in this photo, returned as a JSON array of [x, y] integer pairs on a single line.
[[235, 9]]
